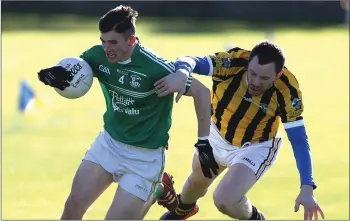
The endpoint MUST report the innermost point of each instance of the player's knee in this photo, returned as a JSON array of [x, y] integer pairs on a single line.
[[227, 208], [219, 201], [220, 205], [198, 181], [226, 202], [227, 196]]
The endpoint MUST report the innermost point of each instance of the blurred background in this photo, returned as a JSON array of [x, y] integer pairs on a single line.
[[44, 136]]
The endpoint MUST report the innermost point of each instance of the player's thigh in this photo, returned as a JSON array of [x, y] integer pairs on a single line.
[[259, 157], [197, 178], [246, 168], [89, 182], [235, 184], [223, 150], [130, 204], [141, 169], [92, 178], [102, 153]]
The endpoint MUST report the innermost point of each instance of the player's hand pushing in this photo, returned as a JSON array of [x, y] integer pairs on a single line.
[[55, 76], [171, 83], [206, 158], [308, 200]]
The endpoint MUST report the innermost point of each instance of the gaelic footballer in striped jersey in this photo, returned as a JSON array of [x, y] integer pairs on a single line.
[[252, 92], [130, 149]]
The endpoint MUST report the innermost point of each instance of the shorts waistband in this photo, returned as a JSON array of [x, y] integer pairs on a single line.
[[246, 144]]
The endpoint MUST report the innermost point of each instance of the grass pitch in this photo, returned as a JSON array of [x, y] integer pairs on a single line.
[[41, 154]]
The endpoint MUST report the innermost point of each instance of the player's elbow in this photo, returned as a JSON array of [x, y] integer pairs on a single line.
[[198, 90], [297, 136]]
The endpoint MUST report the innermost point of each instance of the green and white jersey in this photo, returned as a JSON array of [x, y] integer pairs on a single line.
[[135, 114]]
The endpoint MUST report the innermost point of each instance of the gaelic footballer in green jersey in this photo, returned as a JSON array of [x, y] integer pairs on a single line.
[[130, 148], [135, 114]]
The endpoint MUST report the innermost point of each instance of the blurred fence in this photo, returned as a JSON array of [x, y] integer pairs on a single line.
[[280, 11]]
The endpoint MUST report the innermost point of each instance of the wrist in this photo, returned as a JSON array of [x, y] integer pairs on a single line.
[[307, 188], [203, 138], [308, 184]]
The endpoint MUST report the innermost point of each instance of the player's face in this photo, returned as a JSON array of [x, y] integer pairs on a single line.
[[117, 48], [260, 77]]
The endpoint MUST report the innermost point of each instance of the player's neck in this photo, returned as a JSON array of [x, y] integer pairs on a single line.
[[127, 58]]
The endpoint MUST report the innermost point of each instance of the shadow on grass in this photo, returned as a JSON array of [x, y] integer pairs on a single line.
[[20, 22]]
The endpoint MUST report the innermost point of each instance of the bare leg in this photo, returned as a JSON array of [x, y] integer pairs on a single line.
[[127, 206], [196, 185], [229, 195], [90, 181]]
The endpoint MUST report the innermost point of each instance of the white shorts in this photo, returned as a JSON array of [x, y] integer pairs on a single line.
[[259, 157], [136, 169]]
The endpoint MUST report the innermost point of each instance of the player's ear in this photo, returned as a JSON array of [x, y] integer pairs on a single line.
[[132, 40]]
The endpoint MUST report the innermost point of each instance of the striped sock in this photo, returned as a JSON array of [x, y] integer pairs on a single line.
[[255, 214], [183, 209]]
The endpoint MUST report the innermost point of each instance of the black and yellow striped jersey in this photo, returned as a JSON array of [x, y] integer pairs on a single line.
[[240, 117]]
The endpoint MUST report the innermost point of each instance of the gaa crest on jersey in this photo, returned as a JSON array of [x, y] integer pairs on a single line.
[[135, 81], [226, 62], [263, 107], [296, 103]]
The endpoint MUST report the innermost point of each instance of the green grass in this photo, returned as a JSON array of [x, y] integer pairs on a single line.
[[39, 159]]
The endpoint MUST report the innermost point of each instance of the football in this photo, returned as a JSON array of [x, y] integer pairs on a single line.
[[82, 77]]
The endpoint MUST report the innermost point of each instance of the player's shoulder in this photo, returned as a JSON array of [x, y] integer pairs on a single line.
[[150, 54], [234, 53], [94, 51], [238, 52], [235, 57], [94, 56], [287, 81], [95, 48], [158, 62]]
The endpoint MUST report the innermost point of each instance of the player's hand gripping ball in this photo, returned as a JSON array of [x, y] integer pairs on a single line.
[[72, 77]]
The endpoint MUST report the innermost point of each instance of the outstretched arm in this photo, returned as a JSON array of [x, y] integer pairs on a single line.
[[220, 66], [297, 136], [197, 64], [291, 107]]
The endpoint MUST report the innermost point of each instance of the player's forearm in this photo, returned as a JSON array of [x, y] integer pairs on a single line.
[[196, 64], [203, 109], [299, 141], [201, 97]]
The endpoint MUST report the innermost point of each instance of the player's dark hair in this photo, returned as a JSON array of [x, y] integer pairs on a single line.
[[121, 19], [268, 52]]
